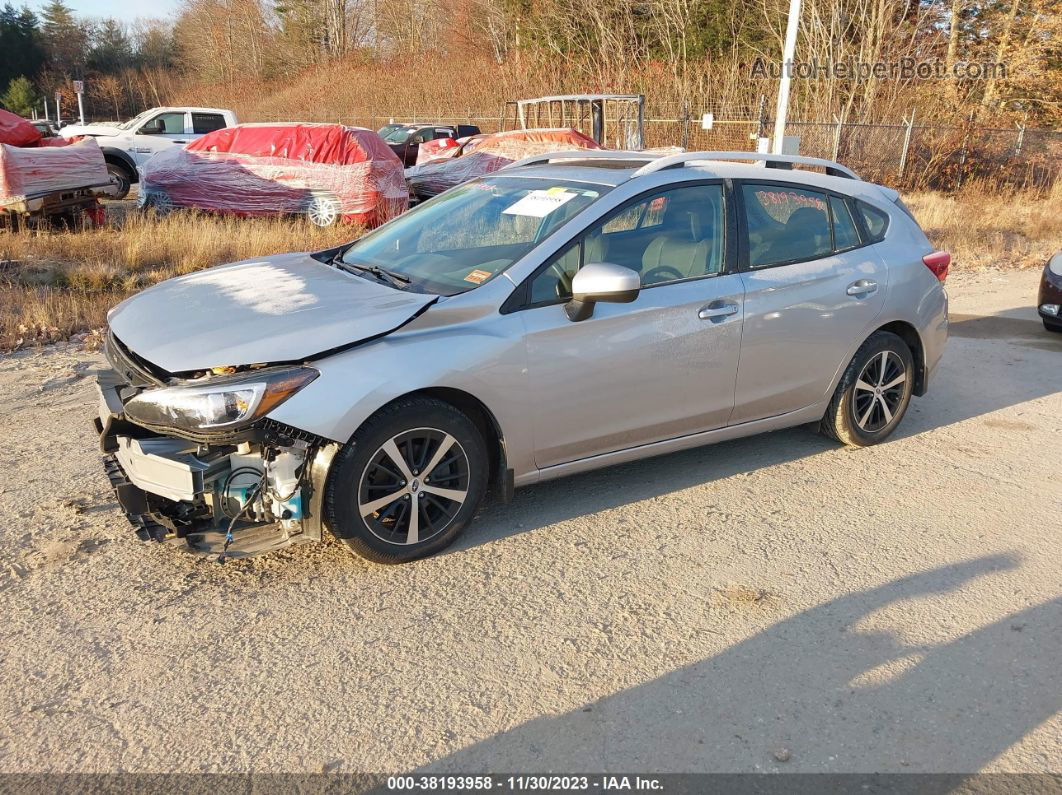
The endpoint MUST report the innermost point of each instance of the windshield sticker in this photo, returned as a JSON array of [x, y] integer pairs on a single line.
[[477, 276], [540, 203]]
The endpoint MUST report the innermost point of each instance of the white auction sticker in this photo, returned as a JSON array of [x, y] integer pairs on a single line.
[[540, 203]]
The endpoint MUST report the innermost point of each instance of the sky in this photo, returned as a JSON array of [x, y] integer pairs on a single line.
[[127, 10]]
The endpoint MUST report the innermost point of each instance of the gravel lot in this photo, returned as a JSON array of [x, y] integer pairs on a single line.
[[775, 603]]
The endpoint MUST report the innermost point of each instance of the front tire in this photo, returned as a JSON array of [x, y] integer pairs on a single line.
[[1052, 325], [323, 210], [409, 481], [873, 393]]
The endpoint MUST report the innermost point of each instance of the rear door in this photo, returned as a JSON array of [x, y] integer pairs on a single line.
[[812, 291]]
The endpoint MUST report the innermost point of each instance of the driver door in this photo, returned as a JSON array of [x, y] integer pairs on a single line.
[[172, 129], [660, 367]]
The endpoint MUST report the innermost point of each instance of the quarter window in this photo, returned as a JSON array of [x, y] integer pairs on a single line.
[[875, 220], [845, 235], [670, 236], [785, 224]]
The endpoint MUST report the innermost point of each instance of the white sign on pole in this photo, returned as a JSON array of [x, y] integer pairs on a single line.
[[707, 120], [79, 88]]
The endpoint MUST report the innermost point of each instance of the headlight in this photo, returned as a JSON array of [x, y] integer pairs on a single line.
[[1055, 264], [222, 403]]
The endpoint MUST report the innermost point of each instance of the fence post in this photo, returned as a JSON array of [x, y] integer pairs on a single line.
[[909, 124], [836, 139], [761, 117], [685, 124], [1021, 138], [962, 152]]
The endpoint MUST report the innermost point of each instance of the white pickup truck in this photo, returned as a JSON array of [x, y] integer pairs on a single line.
[[127, 145]]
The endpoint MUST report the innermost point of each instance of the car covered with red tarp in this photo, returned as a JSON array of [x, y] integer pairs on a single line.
[[326, 171], [483, 154]]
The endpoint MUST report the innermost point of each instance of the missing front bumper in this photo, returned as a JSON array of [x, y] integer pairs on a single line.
[[182, 491]]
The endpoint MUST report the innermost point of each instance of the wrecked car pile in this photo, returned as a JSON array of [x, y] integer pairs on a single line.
[[47, 175], [326, 171]]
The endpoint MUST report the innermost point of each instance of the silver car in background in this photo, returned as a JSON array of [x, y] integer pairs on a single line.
[[572, 311]]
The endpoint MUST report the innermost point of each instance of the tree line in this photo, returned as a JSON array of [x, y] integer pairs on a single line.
[[459, 52], [128, 64]]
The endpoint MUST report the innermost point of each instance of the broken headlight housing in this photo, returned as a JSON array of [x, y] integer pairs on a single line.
[[218, 403]]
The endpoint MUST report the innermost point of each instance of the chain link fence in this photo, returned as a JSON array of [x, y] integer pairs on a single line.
[[906, 155]]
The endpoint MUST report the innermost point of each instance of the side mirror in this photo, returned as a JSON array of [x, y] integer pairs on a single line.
[[153, 127], [604, 282]]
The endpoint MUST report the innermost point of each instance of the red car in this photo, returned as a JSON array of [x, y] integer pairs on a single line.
[[325, 171]]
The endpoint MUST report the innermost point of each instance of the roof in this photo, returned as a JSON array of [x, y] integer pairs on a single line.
[[602, 169]]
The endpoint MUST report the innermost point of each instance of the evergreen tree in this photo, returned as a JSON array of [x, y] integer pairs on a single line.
[[21, 50], [111, 50], [21, 97], [65, 38]]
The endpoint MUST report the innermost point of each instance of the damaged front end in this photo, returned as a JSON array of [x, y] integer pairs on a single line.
[[194, 461]]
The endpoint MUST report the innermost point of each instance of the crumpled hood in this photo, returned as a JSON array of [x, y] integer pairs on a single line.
[[275, 309], [74, 130]]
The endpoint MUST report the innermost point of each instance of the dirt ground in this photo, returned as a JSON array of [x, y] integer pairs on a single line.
[[723, 609]]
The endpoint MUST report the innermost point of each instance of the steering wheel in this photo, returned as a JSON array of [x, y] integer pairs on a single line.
[[665, 271]]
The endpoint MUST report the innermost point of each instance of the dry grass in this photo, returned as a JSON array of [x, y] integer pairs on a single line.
[[57, 284], [985, 229]]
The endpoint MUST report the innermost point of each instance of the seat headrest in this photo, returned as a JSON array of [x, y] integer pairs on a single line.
[[688, 218], [809, 219]]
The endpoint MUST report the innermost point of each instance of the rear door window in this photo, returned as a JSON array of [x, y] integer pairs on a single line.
[[207, 122], [785, 224]]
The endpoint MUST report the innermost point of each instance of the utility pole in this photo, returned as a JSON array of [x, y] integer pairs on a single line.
[[788, 53]]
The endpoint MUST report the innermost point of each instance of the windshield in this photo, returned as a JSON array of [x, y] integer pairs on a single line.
[[132, 122], [468, 235], [398, 135]]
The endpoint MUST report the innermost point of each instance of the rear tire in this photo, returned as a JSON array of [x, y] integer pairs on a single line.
[[391, 511], [873, 394], [121, 179]]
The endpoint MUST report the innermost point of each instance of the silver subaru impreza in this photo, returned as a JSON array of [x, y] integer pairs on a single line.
[[569, 312]]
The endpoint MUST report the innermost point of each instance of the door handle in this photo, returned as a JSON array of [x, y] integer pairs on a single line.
[[862, 287], [177, 141], [717, 310]]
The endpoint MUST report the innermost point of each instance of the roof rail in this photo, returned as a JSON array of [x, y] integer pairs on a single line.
[[582, 154], [771, 161]]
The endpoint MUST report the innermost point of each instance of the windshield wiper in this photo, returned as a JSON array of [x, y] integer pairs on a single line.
[[391, 277]]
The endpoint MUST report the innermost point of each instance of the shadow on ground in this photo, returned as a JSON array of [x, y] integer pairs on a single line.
[[838, 697]]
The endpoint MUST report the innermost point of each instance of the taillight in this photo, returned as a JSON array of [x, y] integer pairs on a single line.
[[938, 262]]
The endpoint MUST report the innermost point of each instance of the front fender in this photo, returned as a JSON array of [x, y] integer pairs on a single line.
[[486, 359]]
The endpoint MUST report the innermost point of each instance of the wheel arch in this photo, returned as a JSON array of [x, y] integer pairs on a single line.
[[501, 476], [909, 334], [119, 158]]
